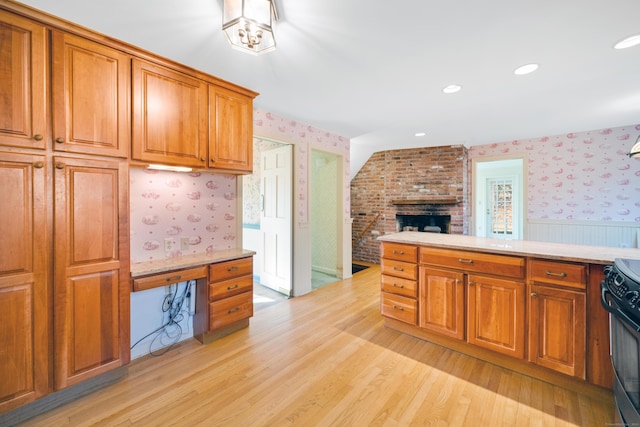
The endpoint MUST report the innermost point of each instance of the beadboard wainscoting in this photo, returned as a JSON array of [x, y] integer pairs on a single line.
[[619, 234]]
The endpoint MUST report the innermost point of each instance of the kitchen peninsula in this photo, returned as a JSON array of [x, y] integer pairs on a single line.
[[533, 307]]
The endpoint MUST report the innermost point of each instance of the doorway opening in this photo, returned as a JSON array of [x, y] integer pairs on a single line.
[[498, 198], [324, 205], [268, 215]]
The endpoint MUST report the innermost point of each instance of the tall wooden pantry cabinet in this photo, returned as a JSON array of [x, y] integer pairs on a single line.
[[64, 234]]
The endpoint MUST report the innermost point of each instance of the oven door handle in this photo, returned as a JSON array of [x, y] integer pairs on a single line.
[[606, 297]]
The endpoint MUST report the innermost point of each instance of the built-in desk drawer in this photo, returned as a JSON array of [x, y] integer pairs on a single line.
[[228, 269], [169, 278], [228, 288], [230, 310]]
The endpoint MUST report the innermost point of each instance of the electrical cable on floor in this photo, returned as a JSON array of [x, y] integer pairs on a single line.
[[171, 329]]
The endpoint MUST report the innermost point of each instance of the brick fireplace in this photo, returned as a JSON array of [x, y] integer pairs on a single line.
[[430, 182]]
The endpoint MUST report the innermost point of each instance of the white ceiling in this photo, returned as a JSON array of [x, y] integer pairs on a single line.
[[373, 71]]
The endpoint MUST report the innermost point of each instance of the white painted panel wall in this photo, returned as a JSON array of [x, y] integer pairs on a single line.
[[594, 233]]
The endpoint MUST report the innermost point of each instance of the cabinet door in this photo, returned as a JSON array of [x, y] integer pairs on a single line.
[[441, 302], [170, 112], [557, 319], [91, 291], [230, 130], [90, 94], [24, 281], [496, 315], [23, 97]]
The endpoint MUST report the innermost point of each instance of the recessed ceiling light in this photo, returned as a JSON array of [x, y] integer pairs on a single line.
[[420, 133], [628, 42], [526, 69], [452, 89]]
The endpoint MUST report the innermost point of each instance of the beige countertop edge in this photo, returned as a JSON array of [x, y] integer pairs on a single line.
[[145, 268], [558, 251]]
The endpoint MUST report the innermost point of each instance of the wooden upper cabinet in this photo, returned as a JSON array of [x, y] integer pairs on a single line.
[[90, 97], [170, 112], [230, 130], [91, 290], [23, 86], [24, 280]]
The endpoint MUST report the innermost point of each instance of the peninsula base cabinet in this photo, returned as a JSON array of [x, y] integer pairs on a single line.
[[528, 314]]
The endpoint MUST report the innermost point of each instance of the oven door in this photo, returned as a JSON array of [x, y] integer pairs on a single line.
[[625, 357]]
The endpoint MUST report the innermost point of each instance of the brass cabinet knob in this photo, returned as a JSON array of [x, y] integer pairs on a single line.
[[472, 283], [59, 165], [37, 137], [38, 165], [534, 294], [213, 160], [59, 140], [202, 159]]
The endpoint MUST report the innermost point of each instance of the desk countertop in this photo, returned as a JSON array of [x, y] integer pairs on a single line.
[[145, 268]]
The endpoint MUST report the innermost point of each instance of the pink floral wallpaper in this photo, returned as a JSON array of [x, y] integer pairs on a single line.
[[578, 176], [305, 137], [198, 206], [203, 206]]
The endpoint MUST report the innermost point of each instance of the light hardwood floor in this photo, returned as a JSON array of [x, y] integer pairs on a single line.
[[325, 359]]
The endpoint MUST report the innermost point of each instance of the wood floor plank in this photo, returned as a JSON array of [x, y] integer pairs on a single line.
[[325, 359]]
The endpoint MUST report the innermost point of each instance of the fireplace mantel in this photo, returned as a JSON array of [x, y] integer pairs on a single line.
[[431, 201]]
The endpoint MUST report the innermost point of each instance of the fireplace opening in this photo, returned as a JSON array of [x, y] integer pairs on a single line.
[[426, 223]]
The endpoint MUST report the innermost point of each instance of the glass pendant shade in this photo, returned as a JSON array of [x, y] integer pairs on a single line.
[[635, 150], [249, 25]]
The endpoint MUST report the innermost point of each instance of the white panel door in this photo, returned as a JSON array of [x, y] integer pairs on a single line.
[[276, 218]]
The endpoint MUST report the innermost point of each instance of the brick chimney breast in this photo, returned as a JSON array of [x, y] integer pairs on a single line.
[[415, 181]]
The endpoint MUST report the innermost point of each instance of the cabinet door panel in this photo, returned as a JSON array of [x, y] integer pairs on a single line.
[[230, 130], [90, 92], [557, 329], [496, 315], [91, 291], [169, 116], [441, 305], [23, 97], [24, 280]]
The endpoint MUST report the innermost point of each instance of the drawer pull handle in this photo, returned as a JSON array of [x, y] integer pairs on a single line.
[[534, 294], [229, 288], [550, 273], [398, 252], [395, 285], [234, 268], [235, 310], [398, 269], [37, 137], [59, 140], [395, 307], [173, 279], [465, 261], [472, 283]]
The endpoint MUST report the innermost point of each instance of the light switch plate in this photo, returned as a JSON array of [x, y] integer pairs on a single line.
[[184, 244]]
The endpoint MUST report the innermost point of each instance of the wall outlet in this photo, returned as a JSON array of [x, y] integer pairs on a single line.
[[184, 244], [169, 244]]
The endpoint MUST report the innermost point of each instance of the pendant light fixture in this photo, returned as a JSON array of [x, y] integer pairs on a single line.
[[635, 150], [249, 25]]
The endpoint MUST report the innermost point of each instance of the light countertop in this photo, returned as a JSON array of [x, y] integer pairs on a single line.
[[560, 251], [164, 265]]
